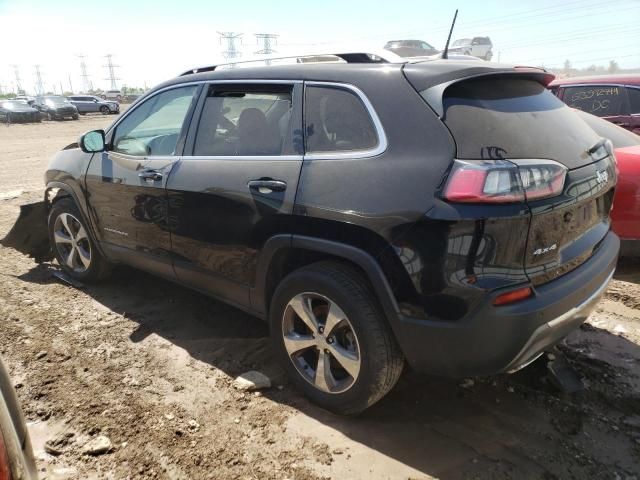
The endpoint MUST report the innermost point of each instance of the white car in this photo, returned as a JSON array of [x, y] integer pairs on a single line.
[[477, 46], [112, 95]]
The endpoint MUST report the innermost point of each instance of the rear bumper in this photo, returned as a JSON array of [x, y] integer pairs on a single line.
[[492, 339]]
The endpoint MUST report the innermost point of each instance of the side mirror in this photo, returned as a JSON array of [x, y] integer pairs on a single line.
[[92, 142]]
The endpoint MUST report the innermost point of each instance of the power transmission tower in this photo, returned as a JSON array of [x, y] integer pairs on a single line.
[[16, 72], [111, 69], [230, 37], [86, 83], [267, 40], [39, 87]]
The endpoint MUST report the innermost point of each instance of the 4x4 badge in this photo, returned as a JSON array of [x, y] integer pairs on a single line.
[[542, 251]]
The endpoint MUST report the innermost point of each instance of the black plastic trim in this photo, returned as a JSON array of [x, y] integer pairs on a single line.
[[81, 207], [355, 255]]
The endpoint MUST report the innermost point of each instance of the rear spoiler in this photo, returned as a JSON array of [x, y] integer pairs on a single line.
[[433, 93]]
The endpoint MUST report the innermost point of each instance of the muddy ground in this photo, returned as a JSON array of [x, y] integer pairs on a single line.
[[150, 365]]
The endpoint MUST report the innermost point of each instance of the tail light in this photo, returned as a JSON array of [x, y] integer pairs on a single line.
[[503, 181], [5, 469]]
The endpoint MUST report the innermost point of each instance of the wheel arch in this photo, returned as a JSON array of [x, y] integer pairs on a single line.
[[56, 191], [286, 252]]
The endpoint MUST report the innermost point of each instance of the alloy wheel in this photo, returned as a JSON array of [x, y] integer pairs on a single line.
[[72, 243], [321, 342]]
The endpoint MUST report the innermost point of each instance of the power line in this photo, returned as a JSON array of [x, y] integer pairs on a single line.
[[576, 35], [111, 71], [18, 81], [230, 38], [267, 47], [86, 82], [39, 86]]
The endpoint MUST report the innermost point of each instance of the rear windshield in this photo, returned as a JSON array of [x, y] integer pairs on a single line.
[[506, 117]]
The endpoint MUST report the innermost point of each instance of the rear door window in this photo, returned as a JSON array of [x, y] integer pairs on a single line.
[[600, 100], [245, 121], [336, 120]]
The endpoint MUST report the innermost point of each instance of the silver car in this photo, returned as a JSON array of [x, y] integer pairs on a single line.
[[90, 104], [16, 455]]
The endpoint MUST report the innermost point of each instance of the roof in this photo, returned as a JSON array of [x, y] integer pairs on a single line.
[[598, 79], [433, 71]]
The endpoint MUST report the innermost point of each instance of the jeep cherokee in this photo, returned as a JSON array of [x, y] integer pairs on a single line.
[[375, 211]]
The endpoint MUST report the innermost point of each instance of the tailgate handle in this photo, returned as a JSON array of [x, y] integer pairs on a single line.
[[267, 185]]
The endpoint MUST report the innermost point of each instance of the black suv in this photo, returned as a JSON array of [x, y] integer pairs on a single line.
[[447, 214], [56, 107]]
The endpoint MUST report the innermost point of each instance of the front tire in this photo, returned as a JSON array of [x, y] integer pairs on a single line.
[[104, 110], [330, 335], [72, 245]]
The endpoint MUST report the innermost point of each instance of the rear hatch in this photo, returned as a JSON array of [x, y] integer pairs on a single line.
[[547, 157]]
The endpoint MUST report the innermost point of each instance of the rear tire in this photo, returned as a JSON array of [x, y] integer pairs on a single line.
[[345, 331], [72, 244]]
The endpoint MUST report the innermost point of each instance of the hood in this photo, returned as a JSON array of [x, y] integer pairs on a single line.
[[58, 106]]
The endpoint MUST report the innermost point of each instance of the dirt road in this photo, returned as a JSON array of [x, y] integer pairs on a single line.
[[150, 365]]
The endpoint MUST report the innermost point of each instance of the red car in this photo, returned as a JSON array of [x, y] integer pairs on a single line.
[[625, 216], [615, 98]]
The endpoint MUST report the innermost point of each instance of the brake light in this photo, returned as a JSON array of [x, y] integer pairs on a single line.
[[5, 469], [503, 181], [513, 296]]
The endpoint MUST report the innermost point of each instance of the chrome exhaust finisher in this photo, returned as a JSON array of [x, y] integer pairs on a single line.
[[545, 336]]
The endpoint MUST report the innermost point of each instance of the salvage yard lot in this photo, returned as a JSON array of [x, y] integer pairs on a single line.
[[150, 365]]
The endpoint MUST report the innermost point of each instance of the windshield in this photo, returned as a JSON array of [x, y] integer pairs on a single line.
[[462, 41]]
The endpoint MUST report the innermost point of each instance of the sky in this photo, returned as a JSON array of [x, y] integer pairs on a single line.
[[152, 41]]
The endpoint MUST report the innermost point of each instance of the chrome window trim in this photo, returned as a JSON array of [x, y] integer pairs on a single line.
[[380, 148], [144, 158], [235, 158], [257, 81]]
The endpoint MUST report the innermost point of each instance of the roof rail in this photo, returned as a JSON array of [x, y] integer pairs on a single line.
[[349, 56]]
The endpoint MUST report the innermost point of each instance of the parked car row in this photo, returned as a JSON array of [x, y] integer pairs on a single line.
[[54, 107]]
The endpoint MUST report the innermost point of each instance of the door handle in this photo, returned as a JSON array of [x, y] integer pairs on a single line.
[[267, 185], [152, 175]]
